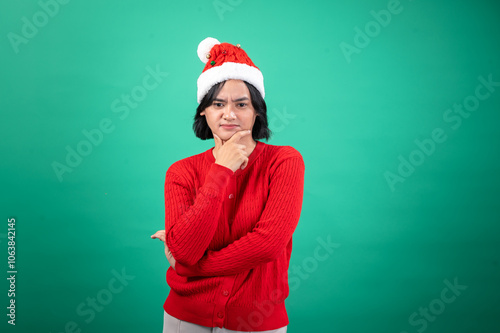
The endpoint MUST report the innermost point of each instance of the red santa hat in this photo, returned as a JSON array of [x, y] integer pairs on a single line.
[[225, 61]]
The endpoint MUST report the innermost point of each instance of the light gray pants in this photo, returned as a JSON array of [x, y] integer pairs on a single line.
[[174, 325]]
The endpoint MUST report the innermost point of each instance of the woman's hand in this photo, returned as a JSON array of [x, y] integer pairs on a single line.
[[231, 154], [160, 234]]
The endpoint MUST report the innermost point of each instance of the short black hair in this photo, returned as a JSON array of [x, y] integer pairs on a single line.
[[260, 128]]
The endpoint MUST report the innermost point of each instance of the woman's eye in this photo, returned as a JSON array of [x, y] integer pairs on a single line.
[[242, 105], [218, 105]]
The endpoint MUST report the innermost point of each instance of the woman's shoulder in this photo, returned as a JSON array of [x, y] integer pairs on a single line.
[[282, 156], [186, 163], [278, 157], [282, 152]]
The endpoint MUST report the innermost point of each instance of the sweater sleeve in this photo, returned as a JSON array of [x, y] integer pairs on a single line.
[[267, 241], [190, 226]]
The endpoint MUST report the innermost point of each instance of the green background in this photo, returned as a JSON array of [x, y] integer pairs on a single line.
[[353, 118]]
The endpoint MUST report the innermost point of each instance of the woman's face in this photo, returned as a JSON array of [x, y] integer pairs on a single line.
[[232, 106]]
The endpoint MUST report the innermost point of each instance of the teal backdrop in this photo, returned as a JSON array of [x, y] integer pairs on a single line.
[[394, 106]]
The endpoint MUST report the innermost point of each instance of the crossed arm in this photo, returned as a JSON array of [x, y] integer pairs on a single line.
[[265, 242], [190, 224]]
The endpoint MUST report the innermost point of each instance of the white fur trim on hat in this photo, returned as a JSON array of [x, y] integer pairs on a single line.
[[204, 48], [226, 71]]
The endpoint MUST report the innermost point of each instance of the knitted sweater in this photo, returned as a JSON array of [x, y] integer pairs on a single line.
[[231, 236]]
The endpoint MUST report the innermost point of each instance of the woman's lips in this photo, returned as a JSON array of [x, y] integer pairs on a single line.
[[229, 126]]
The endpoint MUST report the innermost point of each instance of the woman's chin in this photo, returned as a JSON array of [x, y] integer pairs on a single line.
[[224, 136]]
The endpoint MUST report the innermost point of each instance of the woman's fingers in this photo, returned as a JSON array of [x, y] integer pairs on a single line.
[[160, 234], [238, 135]]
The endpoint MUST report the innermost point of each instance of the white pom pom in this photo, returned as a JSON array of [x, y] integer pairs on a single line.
[[204, 48]]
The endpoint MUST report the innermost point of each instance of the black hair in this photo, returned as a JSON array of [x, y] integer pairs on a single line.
[[260, 128]]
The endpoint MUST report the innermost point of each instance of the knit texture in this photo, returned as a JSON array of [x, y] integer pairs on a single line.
[[231, 236], [226, 61], [225, 52]]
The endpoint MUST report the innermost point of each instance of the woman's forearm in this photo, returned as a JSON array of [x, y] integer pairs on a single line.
[[271, 234], [190, 226]]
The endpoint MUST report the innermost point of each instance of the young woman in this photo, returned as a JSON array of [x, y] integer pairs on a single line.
[[230, 212]]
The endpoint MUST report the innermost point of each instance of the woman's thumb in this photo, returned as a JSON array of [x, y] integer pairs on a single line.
[[244, 164]]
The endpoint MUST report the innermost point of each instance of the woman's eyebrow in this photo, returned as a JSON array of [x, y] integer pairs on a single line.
[[244, 98]]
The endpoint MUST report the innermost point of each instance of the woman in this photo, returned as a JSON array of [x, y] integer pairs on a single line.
[[230, 211]]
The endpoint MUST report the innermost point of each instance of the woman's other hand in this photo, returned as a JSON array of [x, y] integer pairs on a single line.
[[160, 234]]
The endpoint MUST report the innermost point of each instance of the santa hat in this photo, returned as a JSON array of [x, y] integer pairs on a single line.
[[225, 61]]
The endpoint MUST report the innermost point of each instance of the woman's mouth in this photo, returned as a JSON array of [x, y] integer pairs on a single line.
[[229, 126]]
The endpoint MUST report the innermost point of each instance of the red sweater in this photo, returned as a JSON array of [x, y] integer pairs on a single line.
[[231, 236]]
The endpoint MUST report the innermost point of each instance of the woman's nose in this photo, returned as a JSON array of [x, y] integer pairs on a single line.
[[228, 112]]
